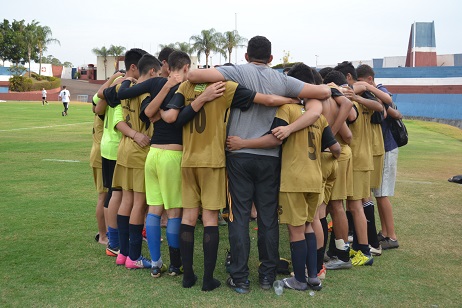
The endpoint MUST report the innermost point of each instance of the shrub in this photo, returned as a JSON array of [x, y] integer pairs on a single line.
[[20, 84]]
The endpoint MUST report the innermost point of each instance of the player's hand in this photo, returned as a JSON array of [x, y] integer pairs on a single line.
[[234, 143], [141, 139], [214, 91], [132, 80], [282, 132], [173, 80], [294, 100], [349, 93], [333, 85]]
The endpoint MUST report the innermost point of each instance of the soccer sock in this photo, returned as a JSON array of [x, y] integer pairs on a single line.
[[187, 250], [311, 262], [124, 235], [319, 258], [351, 226], [331, 251], [298, 253], [210, 246], [113, 237], [325, 230], [365, 249], [371, 228], [343, 250], [153, 234], [136, 240], [173, 232]]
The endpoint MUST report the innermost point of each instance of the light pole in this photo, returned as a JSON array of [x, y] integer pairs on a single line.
[[316, 60]]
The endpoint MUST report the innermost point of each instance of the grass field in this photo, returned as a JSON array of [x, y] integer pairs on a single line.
[[48, 256]]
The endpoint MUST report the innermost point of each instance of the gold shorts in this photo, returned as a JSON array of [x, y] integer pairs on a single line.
[[98, 179], [203, 187], [297, 208], [131, 179], [343, 185], [376, 174], [329, 167], [361, 185]]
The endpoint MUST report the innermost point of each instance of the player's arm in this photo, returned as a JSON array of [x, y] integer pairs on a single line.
[[369, 103], [344, 109], [126, 91], [328, 141], [394, 113], [154, 105], [315, 91], [141, 139], [100, 107], [313, 110], [205, 75], [345, 133], [108, 83], [273, 100], [384, 97], [268, 141]]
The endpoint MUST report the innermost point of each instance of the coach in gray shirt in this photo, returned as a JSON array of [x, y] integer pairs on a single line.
[[253, 174]]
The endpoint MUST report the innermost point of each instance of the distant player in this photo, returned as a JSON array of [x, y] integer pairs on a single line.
[[65, 96], [44, 97]]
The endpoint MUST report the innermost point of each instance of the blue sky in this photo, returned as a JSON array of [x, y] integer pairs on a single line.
[[332, 30]]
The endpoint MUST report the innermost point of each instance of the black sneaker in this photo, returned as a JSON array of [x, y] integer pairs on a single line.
[[175, 271], [380, 236], [239, 287], [265, 283]]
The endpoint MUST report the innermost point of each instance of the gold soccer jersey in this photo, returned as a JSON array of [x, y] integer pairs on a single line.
[[95, 154], [301, 153], [361, 144]]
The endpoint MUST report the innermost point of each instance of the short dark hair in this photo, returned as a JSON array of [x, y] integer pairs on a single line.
[[302, 72], [346, 68], [64, 87], [133, 56], [317, 76], [286, 69], [148, 62], [259, 49], [364, 71], [178, 59], [165, 53], [336, 77], [325, 70]]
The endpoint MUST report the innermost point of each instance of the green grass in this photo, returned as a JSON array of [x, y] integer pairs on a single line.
[[47, 223]]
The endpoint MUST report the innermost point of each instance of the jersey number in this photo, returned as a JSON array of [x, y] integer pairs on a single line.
[[199, 122], [311, 155]]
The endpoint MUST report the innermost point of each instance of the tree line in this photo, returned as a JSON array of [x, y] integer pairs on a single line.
[[21, 42], [206, 42]]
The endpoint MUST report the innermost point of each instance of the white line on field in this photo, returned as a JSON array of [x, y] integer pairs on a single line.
[[62, 160], [38, 127], [412, 181]]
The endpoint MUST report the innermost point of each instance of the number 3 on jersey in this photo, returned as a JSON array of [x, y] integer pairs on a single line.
[[199, 122]]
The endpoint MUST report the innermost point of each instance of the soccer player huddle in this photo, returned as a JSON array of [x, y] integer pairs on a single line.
[[192, 142]]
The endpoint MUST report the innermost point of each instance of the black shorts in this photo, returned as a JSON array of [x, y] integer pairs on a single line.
[[108, 167]]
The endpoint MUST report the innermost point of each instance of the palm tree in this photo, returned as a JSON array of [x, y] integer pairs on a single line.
[[184, 46], [30, 39], [116, 51], [206, 42], [102, 52], [44, 38], [232, 39]]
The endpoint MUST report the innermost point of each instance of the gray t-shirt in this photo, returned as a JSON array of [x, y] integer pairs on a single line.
[[256, 121]]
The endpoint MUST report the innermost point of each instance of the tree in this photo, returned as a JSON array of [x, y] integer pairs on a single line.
[[116, 51], [102, 52], [30, 39], [184, 46], [67, 64], [206, 42], [44, 38], [232, 39], [285, 58]]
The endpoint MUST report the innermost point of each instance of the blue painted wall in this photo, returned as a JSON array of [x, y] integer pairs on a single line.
[[442, 106], [419, 72]]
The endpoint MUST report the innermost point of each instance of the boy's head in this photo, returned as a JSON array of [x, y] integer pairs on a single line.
[[286, 70], [179, 61], [301, 72], [259, 50], [325, 70], [348, 70], [64, 87], [336, 77], [317, 76], [163, 58], [147, 63], [365, 73], [132, 57]]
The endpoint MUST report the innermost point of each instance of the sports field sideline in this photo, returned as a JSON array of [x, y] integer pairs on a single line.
[[48, 255]]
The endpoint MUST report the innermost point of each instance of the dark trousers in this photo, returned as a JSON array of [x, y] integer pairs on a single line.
[[253, 178]]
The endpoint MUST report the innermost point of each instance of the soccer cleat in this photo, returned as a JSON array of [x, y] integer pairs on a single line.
[[239, 287], [294, 284], [141, 262], [112, 252], [322, 273], [361, 259], [352, 253], [265, 283], [221, 220], [314, 284], [336, 264], [121, 259], [380, 236], [157, 271], [376, 251], [388, 243], [175, 271]]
